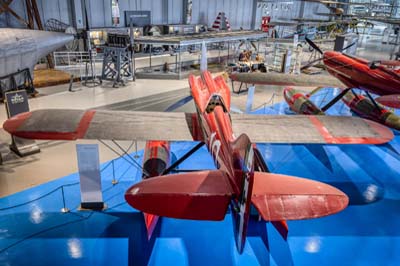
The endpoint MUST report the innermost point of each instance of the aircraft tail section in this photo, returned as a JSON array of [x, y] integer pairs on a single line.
[[203, 195], [279, 197], [209, 92], [243, 182]]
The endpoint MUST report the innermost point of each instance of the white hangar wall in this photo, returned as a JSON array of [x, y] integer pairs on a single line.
[[240, 13]]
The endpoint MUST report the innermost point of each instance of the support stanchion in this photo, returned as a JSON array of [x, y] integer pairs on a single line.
[[114, 181], [64, 208], [136, 150]]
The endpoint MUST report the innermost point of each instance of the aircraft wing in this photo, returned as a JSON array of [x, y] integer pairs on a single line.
[[287, 79], [310, 129], [65, 124]]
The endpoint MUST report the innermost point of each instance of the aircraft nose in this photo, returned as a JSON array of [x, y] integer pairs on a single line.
[[288, 93], [329, 54], [50, 41]]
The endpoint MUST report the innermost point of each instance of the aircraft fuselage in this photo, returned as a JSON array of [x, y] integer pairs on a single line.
[[357, 73]]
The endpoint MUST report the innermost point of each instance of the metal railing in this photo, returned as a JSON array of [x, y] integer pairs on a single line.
[[75, 62]]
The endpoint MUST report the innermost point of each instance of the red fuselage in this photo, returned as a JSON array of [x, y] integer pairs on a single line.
[[216, 127], [231, 155], [357, 73], [219, 137]]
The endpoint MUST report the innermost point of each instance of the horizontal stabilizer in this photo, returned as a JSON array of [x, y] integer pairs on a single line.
[[310, 129], [279, 197], [392, 101], [203, 195]]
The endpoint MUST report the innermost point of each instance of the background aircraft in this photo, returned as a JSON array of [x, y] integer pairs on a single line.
[[373, 77], [280, 79], [358, 104], [239, 180], [22, 48]]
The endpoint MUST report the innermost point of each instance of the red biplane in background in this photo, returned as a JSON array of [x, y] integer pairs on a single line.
[[241, 178]]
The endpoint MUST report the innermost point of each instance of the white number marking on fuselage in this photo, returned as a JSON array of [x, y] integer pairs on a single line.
[[215, 147]]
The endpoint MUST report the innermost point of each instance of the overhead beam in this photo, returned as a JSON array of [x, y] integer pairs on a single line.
[[4, 7]]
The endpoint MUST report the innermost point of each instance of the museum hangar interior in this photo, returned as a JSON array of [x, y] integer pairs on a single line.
[[188, 132]]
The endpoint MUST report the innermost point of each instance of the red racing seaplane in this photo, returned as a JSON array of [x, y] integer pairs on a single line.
[[377, 77], [240, 180], [356, 73]]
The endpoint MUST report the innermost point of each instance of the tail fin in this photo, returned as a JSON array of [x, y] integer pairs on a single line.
[[203, 195], [244, 184], [280, 197]]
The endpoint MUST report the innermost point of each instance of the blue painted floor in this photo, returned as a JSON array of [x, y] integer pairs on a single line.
[[33, 231]]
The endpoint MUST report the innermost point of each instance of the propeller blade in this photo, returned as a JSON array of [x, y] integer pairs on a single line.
[[179, 103], [310, 63], [313, 45], [348, 46]]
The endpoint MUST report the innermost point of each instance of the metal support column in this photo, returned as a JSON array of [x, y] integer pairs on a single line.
[[227, 60], [219, 53], [180, 64], [254, 15], [164, 9], [151, 51]]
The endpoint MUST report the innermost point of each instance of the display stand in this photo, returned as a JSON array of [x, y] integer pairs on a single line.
[[250, 99], [16, 103], [117, 65], [20, 80], [89, 176]]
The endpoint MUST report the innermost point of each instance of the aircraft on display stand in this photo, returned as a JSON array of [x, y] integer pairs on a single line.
[[309, 29], [242, 179], [22, 48]]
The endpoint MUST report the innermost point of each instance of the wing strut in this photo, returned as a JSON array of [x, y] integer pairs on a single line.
[[373, 101], [183, 158], [131, 160], [335, 100]]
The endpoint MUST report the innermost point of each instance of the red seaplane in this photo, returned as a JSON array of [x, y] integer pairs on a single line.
[[355, 73], [373, 77], [241, 179]]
